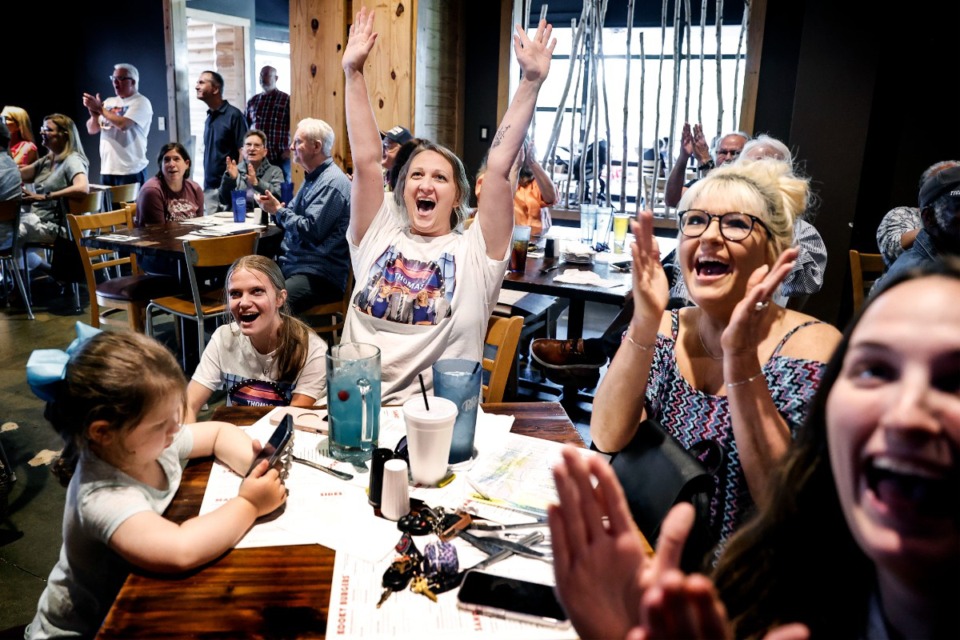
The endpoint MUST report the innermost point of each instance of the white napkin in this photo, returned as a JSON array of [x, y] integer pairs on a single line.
[[575, 276]]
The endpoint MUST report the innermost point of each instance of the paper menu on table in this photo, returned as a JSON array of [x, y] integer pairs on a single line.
[[520, 477], [353, 612]]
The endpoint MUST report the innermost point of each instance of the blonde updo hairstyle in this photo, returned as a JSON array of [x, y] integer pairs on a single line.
[[767, 189]]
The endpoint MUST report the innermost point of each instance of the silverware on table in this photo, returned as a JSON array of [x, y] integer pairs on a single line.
[[338, 474]]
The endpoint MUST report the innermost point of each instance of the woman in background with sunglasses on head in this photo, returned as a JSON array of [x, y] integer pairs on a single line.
[[736, 368]]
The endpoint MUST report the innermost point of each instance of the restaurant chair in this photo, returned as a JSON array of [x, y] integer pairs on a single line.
[[9, 257], [90, 202], [128, 294], [504, 335], [327, 319], [203, 302], [865, 269], [117, 196]]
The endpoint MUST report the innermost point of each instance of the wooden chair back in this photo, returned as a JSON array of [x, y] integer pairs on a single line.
[[90, 203], [504, 334], [95, 260], [120, 194], [329, 318], [865, 269]]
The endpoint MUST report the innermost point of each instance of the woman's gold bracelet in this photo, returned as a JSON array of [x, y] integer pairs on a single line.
[[642, 347], [731, 385]]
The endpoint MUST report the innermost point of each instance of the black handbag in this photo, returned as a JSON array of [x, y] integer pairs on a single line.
[[66, 265], [657, 472]]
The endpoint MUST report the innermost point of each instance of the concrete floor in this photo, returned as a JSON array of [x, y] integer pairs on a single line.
[[30, 535]]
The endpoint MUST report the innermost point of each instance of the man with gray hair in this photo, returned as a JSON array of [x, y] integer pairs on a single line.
[[123, 122], [314, 255], [694, 144]]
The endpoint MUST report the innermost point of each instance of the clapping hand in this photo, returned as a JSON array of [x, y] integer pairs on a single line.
[[232, 168], [93, 103], [534, 54], [700, 147], [651, 290], [360, 41], [600, 560], [752, 317]]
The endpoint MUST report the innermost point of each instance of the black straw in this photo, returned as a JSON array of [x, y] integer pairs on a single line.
[[423, 390]]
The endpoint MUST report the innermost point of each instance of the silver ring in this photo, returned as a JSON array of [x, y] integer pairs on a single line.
[[760, 306]]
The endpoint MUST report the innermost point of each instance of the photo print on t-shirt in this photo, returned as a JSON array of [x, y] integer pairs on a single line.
[[408, 291], [247, 392]]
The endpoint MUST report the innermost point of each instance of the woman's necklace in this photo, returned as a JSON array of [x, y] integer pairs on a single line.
[[703, 344]]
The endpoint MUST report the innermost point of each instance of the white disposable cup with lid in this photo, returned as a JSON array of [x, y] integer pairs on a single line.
[[429, 435]]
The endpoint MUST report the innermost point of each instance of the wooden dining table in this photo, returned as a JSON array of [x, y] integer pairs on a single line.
[[264, 592], [164, 240]]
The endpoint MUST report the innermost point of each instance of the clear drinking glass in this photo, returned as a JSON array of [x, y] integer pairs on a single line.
[[353, 400], [459, 381], [588, 222], [621, 222], [604, 215], [518, 249]]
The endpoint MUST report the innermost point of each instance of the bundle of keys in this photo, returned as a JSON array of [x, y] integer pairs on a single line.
[[431, 573]]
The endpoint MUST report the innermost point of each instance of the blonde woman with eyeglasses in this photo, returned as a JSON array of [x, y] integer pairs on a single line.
[[736, 368]]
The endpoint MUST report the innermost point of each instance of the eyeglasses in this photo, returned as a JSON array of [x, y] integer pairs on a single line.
[[119, 78], [728, 152], [253, 145], [734, 226], [49, 132]]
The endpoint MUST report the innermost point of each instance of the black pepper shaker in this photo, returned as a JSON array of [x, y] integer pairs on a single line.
[[380, 457], [550, 248]]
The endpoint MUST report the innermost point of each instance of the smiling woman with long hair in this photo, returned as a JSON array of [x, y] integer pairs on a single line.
[[411, 241], [265, 356]]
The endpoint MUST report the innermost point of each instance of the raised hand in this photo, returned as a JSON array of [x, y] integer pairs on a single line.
[[700, 146], [686, 139], [598, 565], [651, 290], [534, 54], [360, 41], [232, 167], [752, 317]]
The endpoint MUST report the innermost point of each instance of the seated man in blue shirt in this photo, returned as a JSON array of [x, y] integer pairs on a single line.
[[314, 255], [940, 216]]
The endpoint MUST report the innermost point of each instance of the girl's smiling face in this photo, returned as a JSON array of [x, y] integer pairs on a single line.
[[430, 193], [255, 305], [893, 427]]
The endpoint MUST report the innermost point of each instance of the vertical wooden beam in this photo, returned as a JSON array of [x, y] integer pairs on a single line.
[[751, 72], [178, 99], [318, 33], [506, 45]]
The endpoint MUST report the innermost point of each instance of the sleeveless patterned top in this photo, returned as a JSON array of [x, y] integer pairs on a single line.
[[690, 415]]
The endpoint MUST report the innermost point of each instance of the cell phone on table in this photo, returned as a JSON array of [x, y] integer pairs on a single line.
[[512, 599], [275, 445]]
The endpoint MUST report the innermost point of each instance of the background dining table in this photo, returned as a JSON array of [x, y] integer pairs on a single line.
[[262, 592]]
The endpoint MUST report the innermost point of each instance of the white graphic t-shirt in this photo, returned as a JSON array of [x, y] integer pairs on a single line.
[[420, 299]]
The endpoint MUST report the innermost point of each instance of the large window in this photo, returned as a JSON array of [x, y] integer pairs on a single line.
[[671, 95]]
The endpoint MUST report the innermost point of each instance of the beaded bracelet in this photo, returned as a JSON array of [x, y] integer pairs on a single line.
[[731, 385], [642, 347]]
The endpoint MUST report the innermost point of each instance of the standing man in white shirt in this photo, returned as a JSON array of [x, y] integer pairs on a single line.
[[123, 122]]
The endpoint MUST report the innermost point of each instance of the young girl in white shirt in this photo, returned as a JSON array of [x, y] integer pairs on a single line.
[[118, 404], [265, 356]]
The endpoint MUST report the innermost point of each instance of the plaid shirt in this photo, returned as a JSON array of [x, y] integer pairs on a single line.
[[270, 112]]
